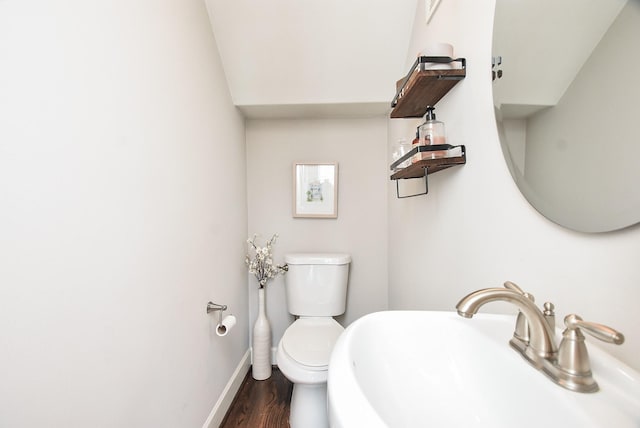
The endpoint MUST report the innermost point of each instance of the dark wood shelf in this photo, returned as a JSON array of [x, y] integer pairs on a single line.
[[428, 166], [423, 87], [419, 89]]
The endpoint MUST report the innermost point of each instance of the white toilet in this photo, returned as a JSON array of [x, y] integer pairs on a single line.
[[316, 291]]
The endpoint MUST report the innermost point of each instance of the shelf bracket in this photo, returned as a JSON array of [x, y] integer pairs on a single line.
[[426, 187]]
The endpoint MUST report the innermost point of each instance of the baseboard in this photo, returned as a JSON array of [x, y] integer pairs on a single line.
[[274, 353], [228, 393]]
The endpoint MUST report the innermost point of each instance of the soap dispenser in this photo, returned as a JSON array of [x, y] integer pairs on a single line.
[[431, 132]]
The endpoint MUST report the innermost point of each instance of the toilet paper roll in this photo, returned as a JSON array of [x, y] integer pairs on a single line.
[[227, 324]]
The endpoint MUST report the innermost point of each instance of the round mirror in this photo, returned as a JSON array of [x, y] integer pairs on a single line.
[[567, 101]]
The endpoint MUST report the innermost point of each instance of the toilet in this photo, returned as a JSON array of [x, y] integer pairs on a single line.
[[316, 291]]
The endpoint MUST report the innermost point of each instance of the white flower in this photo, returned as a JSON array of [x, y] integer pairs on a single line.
[[261, 264]]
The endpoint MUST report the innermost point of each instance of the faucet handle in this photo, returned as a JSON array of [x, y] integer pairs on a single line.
[[513, 286], [573, 358], [599, 331]]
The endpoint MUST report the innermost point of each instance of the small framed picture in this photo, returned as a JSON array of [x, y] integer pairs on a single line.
[[315, 190]]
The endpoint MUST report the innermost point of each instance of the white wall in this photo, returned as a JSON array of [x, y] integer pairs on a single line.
[[359, 147], [122, 212], [476, 230]]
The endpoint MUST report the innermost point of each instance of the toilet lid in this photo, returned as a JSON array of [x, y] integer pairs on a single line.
[[309, 341]]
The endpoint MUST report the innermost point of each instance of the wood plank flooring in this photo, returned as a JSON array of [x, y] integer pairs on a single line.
[[261, 403]]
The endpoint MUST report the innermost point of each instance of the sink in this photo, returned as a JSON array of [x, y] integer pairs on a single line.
[[437, 369]]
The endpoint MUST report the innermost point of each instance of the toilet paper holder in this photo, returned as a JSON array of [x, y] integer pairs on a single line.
[[212, 307]]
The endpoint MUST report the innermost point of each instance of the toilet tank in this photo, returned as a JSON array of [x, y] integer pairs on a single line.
[[316, 283]]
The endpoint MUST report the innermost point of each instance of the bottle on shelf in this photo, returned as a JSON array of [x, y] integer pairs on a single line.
[[431, 132], [401, 148]]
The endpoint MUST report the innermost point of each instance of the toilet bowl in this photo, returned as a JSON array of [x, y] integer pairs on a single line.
[[303, 357], [315, 288]]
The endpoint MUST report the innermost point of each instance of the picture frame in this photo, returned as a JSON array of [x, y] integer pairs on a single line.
[[315, 189]]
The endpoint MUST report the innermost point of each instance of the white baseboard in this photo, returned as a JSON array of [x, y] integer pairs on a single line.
[[228, 393], [274, 359]]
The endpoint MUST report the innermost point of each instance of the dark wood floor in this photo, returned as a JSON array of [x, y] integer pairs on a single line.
[[261, 403]]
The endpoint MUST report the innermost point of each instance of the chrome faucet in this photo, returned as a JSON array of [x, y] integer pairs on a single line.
[[540, 335], [534, 337]]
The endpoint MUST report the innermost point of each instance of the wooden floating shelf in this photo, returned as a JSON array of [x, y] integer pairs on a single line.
[[428, 166], [420, 88], [425, 88]]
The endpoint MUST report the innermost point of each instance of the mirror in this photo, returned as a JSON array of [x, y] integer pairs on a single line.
[[568, 107]]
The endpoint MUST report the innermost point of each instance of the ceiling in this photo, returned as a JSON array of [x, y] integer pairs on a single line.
[[310, 58]]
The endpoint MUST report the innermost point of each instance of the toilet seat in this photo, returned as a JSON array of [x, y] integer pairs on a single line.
[[309, 341]]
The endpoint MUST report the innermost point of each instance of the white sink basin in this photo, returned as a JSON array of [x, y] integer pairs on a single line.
[[437, 369]]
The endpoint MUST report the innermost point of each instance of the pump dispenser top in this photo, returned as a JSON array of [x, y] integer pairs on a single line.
[[431, 115]]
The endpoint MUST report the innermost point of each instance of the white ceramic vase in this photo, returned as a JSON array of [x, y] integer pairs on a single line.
[[261, 369]]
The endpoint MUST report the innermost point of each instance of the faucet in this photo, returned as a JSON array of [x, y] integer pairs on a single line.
[[566, 365], [541, 344]]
